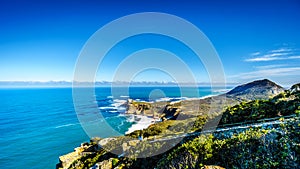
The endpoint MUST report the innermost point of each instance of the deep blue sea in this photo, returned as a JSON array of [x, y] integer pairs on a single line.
[[37, 125]]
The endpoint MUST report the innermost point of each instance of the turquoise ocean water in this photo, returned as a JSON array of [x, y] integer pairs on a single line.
[[37, 125]]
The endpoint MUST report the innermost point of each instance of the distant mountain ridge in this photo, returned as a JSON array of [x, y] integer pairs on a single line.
[[7, 84], [259, 89]]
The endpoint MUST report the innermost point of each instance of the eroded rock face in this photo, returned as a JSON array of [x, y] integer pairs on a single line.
[[142, 108], [105, 164], [104, 141], [126, 146], [65, 161]]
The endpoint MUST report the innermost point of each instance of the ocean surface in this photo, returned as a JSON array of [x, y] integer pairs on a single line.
[[37, 125]]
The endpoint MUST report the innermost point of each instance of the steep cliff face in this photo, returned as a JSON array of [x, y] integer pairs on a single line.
[[155, 110], [260, 89], [66, 160]]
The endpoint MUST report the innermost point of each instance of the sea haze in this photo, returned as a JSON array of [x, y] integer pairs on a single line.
[[37, 125]]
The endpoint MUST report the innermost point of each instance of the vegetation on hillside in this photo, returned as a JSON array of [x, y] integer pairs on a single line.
[[284, 104], [273, 146], [254, 148], [278, 146]]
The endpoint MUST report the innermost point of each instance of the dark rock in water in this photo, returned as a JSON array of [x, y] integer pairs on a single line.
[[259, 89]]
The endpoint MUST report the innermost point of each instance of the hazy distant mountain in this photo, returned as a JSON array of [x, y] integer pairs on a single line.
[[8, 84], [259, 89], [31, 84]]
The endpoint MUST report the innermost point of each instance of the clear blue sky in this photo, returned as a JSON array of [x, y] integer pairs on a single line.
[[41, 40]]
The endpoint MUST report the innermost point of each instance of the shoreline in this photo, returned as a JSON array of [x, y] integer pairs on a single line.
[[143, 123], [145, 120]]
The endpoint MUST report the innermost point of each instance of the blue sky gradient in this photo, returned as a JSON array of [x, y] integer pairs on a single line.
[[41, 40]]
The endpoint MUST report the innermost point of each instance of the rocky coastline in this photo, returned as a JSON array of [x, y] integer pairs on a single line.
[[164, 111]]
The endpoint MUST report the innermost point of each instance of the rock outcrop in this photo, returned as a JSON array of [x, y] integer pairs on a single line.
[[105, 164], [65, 161], [295, 87]]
